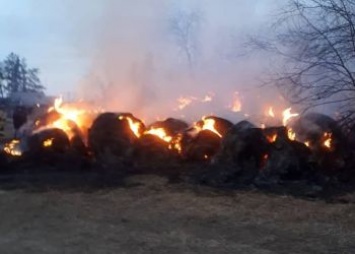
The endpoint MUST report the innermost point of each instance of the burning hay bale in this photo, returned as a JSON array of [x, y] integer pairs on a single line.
[[112, 135], [201, 147], [47, 145], [221, 125], [243, 144], [315, 128], [202, 141], [239, 158], [155, 145], [171, 126], [285, 160], [151, 150], [49, 139], [325, 138]]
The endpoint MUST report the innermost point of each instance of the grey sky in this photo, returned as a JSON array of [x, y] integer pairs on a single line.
[[60, 37]]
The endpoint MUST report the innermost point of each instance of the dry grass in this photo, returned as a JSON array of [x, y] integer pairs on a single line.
[[155, 217]]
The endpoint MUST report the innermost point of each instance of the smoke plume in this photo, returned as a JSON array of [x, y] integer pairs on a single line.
[[183, 59]]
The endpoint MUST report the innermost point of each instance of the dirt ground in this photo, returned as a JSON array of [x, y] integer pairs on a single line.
[[149, 215]]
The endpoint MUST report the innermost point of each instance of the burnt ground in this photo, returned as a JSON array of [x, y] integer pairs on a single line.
[[76, 212]]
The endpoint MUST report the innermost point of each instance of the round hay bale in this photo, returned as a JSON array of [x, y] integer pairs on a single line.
[[243, 144], [202, 147], [285, 159], [316, 128], [171, 126], [110, 135], [311, 127], [221, 125], [152, 150], [48, 140]]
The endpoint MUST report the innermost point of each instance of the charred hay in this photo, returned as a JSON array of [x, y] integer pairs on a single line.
[[111, 139]]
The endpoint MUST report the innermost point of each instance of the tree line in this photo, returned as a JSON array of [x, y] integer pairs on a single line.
[[17, 76], [316, 42]]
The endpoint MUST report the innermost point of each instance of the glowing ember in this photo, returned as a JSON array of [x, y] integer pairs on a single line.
[[272, 138], [160, 132], [291, 134], [12, 148], [209, 124], [175, 144], [307, 143], [287, 115], [48, 142], [206, 157], [328, 140]]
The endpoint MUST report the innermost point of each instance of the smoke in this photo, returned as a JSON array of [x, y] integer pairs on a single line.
[[147, 57]]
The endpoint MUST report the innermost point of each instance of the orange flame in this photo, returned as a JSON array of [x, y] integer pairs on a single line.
[[159, 132], [328, 140], [291, 134], [237, 104], [48, 142], [67, 114], [12, 148], [209, 124], [272, 138], [175, 144], [135, 126], [287, 115]]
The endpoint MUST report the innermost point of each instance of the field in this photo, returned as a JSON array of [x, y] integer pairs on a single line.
[[147, 214]]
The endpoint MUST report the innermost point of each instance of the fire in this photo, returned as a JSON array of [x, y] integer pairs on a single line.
[[287, 115], [184, 102], [135, 126], [270, 112], [208, 124], [160, 132], [291, 134], [272, 138], [176, 144], [307, 143], [208, 98], [12, 148], [48, 142], [68, 116], [328, 140], [237, 105]]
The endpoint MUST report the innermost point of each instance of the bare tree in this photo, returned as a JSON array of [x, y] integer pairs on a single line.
[[316, 40], [2, 86], [184, 26]]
